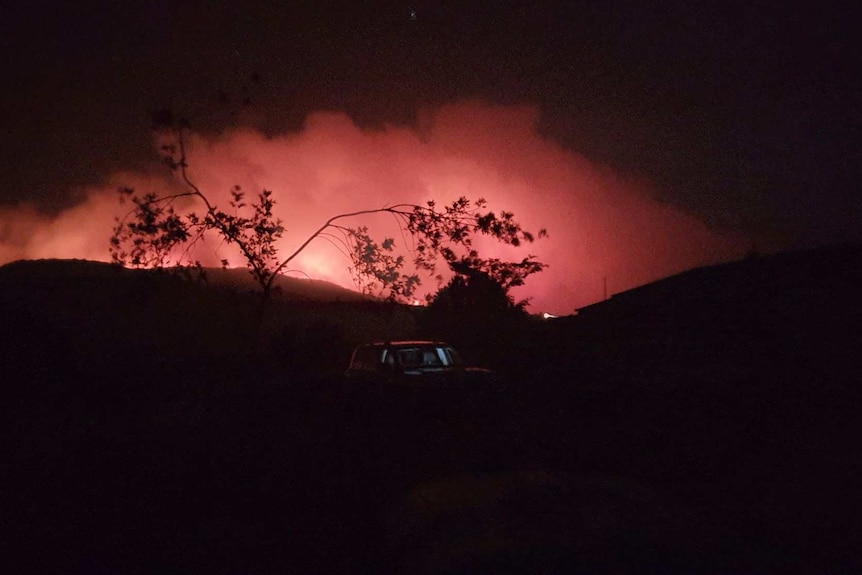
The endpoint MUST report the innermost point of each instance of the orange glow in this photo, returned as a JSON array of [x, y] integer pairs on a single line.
[[601, 225]]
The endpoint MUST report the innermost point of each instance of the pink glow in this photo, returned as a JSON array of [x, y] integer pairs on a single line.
[[601, 225]]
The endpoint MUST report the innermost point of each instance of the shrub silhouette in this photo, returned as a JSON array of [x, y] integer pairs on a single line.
[[476, 313]]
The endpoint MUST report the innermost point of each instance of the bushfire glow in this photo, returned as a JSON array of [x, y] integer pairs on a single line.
[[600, 224]]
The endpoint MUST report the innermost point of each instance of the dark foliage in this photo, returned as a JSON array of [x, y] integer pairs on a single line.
[[475, 312]]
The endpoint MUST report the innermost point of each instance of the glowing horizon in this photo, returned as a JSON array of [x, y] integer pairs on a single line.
[[600, 224]]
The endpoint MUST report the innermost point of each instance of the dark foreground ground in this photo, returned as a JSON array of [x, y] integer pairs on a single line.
[[708, 423], [205, 471]]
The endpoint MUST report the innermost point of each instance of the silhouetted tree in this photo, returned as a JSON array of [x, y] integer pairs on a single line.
[[476, 312], [156, 234]]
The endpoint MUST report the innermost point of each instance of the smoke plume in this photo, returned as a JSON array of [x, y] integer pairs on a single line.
[[602, 227]]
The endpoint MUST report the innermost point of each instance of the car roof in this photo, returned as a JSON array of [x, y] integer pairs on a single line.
[[408, 343]]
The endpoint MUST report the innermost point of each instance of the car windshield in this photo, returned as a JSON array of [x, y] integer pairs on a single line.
[[419, 357], [427, 357]]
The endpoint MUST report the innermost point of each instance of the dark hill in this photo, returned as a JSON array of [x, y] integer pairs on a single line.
[[735, 385], [239, 280], [90, 315], [719, 323]]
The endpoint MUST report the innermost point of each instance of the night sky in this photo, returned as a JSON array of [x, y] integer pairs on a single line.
[[648, 138]]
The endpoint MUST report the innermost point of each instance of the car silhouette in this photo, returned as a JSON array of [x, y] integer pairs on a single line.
[[417, 363]]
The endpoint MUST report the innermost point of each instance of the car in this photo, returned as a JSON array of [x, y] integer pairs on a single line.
[[421, 392], [423, 364]]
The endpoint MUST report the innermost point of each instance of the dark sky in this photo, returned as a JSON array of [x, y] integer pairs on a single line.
[[745, 114]]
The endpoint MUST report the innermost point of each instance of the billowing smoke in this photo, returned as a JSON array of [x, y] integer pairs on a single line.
[[601, 225]]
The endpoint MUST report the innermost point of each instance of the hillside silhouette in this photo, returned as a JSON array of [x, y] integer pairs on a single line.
[[100, 316], [704, 423]]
